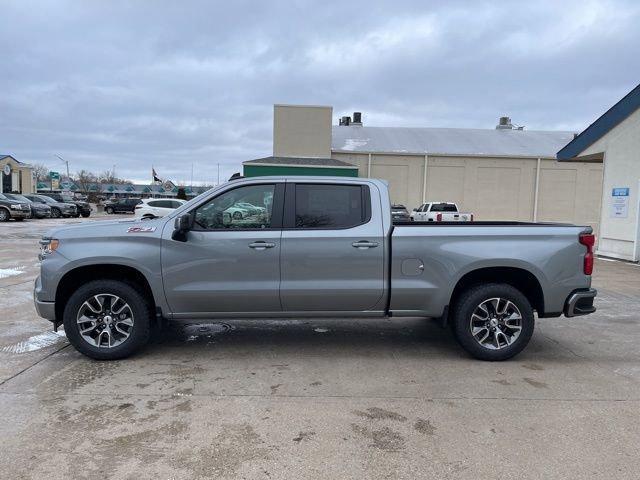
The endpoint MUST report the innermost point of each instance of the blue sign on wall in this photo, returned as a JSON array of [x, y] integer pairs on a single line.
[[620, 192]]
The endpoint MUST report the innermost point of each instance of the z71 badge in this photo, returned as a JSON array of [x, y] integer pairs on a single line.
[[141, 229]]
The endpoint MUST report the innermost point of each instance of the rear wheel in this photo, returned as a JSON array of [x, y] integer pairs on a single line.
[[85, 215], [4, 215], [493, 322], [19, 219], [107, 320], [109, 210]]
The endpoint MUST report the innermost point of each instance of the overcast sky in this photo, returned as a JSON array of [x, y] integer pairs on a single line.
[[174, 83]]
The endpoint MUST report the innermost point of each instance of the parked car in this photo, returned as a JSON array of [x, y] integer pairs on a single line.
[[324, 247], [38, 210], [10, 208], [122, 205], [83, 208], [440, 212], [399, 212], [156, 207], [58, 209]]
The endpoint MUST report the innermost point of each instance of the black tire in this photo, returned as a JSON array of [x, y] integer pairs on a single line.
[[85, 215], [471, 299], [4, 215], [140, 307], [237, 215], [19, 219], [109, 210], [55, 212]]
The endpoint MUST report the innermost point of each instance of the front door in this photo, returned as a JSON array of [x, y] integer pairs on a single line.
[[230, 260], [332, 249]]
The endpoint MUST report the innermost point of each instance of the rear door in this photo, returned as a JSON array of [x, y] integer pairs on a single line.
[[332, 255]]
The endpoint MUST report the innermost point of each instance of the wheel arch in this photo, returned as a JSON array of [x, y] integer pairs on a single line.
[[78, 276], [519, 278]]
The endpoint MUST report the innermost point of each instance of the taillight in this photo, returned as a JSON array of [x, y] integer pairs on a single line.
[[438, 217], [588, 240]]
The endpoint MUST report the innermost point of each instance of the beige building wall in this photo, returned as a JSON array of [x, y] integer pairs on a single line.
[[491, 188], [302, 131], [619, 237], [22, 177]]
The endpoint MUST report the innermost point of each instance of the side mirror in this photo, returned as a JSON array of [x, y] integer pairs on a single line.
[[415, 209], [183, 223]]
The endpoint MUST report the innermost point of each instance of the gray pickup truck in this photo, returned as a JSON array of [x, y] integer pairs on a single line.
[[309, 247]]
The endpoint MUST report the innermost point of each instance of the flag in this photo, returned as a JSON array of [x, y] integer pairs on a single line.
[[155, 176]]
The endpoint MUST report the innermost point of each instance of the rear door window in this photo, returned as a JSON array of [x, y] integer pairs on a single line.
[[330, 206]]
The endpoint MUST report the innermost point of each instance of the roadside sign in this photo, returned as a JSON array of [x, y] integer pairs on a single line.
[[619, 202], [54, 175]]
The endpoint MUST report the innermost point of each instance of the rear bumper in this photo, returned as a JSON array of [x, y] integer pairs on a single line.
[[580, 302]]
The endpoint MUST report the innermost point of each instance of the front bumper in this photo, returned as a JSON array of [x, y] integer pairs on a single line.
[[70, 212], [41, 213], [44, 309], [580, 302], [20, 213]]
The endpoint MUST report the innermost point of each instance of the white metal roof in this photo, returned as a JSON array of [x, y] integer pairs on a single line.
[[449, 141]]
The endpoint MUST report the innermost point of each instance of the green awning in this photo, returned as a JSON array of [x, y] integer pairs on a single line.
[[111, 188], [146, 189], [129, 189]]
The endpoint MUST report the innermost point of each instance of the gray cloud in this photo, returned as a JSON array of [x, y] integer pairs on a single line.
[[175, 83]]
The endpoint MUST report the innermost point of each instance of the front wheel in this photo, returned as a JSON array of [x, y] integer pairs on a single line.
[[493, 322], [19, 219], [107, 320], [4, 215], [85, 215], [56, 213], [109, 210]]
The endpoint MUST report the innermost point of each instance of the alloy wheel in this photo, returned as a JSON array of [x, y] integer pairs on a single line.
[[496, 323], [105, 320]]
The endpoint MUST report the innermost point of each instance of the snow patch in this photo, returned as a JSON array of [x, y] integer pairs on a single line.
[[36, 342], [321, 330], [10, 272], [351, 144]]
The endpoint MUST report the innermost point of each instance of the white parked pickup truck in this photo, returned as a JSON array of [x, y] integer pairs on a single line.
[[439, 212]]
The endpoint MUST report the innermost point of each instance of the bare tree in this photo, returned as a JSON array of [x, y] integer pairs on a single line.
[[42, 171], [84, 179], [108, 177]]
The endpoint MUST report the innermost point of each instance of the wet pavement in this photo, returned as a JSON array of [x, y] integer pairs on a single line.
[[331, 398]]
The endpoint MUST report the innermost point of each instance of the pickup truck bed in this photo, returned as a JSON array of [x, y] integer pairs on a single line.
[[309, 247]]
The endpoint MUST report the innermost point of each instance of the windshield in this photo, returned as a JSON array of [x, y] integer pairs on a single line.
[[66, 198], [19, 198], [46, 199]]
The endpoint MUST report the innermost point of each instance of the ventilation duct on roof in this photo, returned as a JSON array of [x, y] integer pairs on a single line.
[[505, 124]]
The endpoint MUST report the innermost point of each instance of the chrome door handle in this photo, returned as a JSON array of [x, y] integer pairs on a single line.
[[261, 245], [363, 244]]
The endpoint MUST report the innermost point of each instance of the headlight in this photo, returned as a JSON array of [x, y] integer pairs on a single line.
[[49, 245], [16, 207]]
